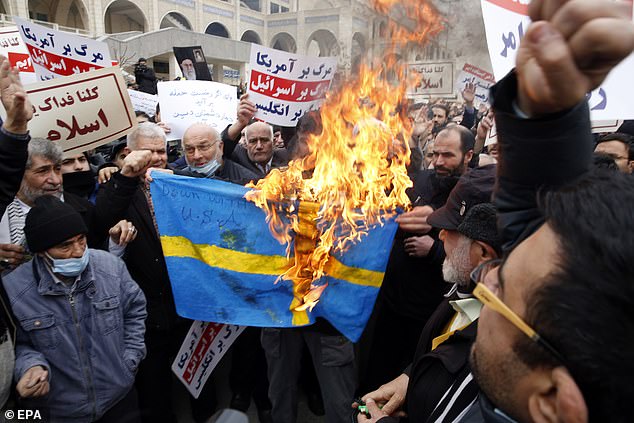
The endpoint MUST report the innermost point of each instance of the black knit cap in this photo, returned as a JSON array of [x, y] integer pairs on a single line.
[[480, 224], [474, 187], [51, 222]]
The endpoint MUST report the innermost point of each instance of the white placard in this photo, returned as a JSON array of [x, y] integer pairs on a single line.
[[201, 351], [13, 48], [56, 53], [81, 112], [284, 86], [479, 77], [605, 126], [184, 103], [143, 102], [506, 21], [431, 78]]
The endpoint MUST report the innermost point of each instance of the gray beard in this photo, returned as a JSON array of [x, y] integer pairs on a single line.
[[190, 76], [31, 194], [457, 267]]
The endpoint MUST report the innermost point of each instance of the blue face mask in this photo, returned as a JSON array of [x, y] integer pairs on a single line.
[[207, 169], [70, 267]]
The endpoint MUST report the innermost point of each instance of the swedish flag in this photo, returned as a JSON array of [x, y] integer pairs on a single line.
[[223, 262]]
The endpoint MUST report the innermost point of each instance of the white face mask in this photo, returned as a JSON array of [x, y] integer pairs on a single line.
[[208, 170], [70, 267]]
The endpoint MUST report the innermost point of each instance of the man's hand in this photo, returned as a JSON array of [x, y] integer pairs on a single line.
[[568, 51], [415, 221], [34, 383], [246, 110], [165, 127], [136, 163], [391, 396], [123, 233], [468, 94], [14, 99], [106, 173], [419, 246], [12, 254], [148, 174], [484, 127]]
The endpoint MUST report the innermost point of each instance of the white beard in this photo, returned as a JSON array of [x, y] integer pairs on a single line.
[[457, 267], [190, 75]]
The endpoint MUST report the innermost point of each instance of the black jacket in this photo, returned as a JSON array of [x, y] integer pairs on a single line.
[[433, 372], [123, 198], [13, 155], [524, 169], [145, 79], [414, 286]]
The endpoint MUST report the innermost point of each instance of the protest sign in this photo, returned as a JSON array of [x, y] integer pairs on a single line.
[[284, 86], [432, 78], [13, 48], [480, 78], [55, 53], [81, 112], [506, 21], [192, 62], [204, 346], [605, 126], [143, 102], [184, 103]]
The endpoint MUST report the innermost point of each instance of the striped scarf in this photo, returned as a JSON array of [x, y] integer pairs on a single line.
[[17, 219]]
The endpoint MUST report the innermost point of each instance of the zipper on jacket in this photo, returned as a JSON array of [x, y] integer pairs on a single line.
[[82, 353]]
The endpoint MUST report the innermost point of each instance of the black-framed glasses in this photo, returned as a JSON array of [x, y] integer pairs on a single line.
[[489, 299]]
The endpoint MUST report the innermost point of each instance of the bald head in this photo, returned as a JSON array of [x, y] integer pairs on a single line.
[[202, 144]]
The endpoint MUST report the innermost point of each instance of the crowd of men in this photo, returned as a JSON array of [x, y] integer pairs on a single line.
[[508, 294]]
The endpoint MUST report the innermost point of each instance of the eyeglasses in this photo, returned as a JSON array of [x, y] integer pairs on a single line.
[[489, 299]]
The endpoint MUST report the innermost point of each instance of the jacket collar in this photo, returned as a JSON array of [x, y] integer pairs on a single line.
[[492, 414], [46, 285]]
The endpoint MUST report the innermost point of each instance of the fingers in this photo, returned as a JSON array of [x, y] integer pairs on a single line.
[[548, 78], [11, 253], [543, 10], [573, 15], [374, 409], [600, 45]]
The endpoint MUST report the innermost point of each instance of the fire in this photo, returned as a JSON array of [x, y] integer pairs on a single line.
[[355, 175]]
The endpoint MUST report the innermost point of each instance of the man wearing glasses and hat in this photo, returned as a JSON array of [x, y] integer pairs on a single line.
[[440, 371], [553, 340]]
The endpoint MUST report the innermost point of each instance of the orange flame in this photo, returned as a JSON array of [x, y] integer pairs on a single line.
[[357, 164]]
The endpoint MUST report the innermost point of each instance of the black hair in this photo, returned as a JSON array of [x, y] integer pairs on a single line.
[[467, 139], [585, 308], [624, 138], [142, 114]]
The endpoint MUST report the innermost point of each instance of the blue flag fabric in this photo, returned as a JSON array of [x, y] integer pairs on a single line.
[[223, 262]]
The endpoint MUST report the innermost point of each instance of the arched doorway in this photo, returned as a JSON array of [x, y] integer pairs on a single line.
[[217, 29], [68, 13], [285, 42], [251, 37], [124, 16], [175, 20], [322, 43]]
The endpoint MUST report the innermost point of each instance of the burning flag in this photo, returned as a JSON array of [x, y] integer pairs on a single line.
[[356, 166], [224, 263]]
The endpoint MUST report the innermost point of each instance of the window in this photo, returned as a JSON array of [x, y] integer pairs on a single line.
[[275, 8]]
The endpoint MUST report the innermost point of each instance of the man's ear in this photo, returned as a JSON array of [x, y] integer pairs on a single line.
[[127, 150], [483, 252], [560, 401], [468, 156], [630, 165]]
